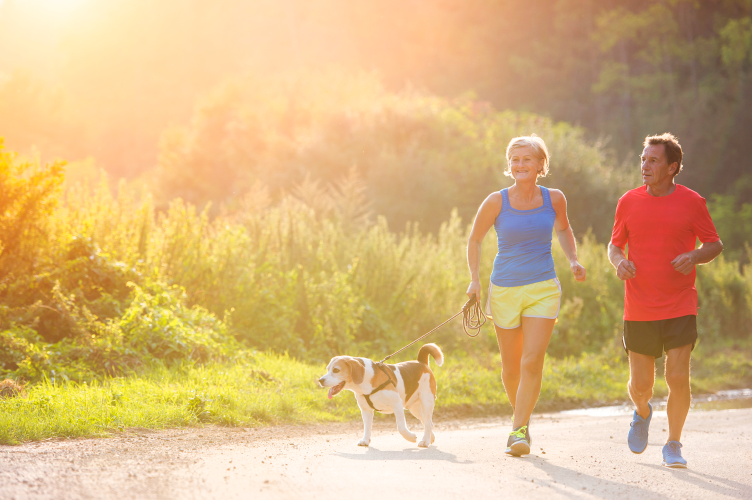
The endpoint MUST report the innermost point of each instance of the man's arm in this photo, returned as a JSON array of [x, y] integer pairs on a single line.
[[625, 269], [686, 262]]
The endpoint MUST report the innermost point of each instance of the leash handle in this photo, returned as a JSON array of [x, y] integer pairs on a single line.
[[473, 317], [469, 303]]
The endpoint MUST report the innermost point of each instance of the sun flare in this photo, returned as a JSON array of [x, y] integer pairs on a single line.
[[58, 7]]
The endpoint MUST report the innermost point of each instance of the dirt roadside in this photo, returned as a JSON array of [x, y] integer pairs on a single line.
[[572, 457]]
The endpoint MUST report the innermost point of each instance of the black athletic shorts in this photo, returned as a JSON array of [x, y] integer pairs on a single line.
[[653, 337]]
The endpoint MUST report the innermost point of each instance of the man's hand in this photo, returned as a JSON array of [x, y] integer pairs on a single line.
[[474, 289], [684, 263], [626, 270], [578, 270]]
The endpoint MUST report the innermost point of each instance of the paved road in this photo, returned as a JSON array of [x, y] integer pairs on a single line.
[[573, 457]]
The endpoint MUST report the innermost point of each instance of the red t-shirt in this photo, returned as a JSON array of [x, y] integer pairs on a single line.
[[657, 230]]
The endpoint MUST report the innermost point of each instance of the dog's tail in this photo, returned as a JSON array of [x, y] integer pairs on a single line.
[[434, 351]]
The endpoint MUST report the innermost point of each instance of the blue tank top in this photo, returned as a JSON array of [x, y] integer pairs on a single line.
[[524, 237]]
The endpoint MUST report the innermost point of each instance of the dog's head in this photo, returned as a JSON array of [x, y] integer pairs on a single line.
[[342, 370]]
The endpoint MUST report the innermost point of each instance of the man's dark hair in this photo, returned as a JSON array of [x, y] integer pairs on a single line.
[[670, 145]]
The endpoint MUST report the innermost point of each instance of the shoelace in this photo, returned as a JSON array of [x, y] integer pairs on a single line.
[[641, 429], [674, 447], [519, 433]]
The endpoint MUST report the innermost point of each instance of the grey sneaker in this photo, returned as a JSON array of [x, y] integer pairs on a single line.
[[518, 443]]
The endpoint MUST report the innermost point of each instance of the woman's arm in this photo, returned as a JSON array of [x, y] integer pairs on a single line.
[[487, 213], [564, 233]]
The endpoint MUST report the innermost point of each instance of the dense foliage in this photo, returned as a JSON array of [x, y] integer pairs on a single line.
[[115, 285], [67, 308]]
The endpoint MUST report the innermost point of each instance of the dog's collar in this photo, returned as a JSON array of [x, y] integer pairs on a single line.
[[386, 371]]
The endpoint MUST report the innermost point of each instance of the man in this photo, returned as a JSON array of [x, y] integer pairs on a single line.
[[660, 222]]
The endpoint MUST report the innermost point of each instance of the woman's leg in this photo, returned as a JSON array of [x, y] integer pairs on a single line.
[[536, 333], [510, 347]]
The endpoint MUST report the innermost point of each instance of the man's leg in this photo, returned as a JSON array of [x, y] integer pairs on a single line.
[[679, 396], [641, 381]]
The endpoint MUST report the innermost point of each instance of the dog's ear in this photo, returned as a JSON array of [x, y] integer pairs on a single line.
[[357, 370]]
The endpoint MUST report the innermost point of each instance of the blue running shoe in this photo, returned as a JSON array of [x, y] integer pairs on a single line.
[[672, 455], [638, 432]]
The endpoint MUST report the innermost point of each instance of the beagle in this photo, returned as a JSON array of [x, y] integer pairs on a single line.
[[388, 389]]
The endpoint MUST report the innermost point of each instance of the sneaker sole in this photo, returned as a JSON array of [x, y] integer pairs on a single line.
[[674, 465], [519, 448], [639, 452]]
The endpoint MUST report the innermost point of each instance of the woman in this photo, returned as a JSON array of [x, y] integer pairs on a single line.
[[524, 294]]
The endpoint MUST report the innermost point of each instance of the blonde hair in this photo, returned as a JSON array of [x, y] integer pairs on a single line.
[[538, 146]]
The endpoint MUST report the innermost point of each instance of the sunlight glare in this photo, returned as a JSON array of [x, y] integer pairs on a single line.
[[60, 7]]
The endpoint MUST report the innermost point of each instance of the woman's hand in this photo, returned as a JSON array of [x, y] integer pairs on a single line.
[[578, 270], [474, 289]]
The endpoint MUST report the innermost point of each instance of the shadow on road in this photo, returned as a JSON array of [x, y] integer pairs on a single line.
[[708, 482], [431, 453], [562, 476]]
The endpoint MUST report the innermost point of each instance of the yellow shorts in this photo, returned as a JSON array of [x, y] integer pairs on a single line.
[[507, 305]]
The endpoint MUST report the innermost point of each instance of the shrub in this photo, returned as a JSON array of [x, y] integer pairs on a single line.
[[27, 198]]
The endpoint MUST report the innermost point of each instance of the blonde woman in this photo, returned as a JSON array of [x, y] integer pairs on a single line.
[[524, 293]]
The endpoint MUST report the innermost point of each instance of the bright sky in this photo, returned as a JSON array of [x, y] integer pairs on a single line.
[[57, 7]]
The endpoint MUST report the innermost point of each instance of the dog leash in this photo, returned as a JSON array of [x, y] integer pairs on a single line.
[[472, 319]]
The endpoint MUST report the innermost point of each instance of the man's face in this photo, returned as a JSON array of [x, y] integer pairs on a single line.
[[655, 168]]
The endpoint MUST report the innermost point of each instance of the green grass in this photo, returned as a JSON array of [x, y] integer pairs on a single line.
[[264, 389], [268, 389]]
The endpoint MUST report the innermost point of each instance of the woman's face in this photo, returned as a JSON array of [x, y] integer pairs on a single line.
[[525, 164]]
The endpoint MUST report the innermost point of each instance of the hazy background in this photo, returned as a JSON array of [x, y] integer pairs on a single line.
[[104, 79]]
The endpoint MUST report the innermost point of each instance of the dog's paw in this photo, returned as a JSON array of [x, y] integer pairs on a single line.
[[364, 442], [409, 436], [424, 444], [433, 438]]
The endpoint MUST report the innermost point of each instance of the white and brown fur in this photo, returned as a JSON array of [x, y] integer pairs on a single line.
[[416, 390]]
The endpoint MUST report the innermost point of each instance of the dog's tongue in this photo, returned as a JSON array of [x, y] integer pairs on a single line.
[[335, 390]]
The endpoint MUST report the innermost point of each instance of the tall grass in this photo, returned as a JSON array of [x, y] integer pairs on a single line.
[[312, 284], [311, 279]]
